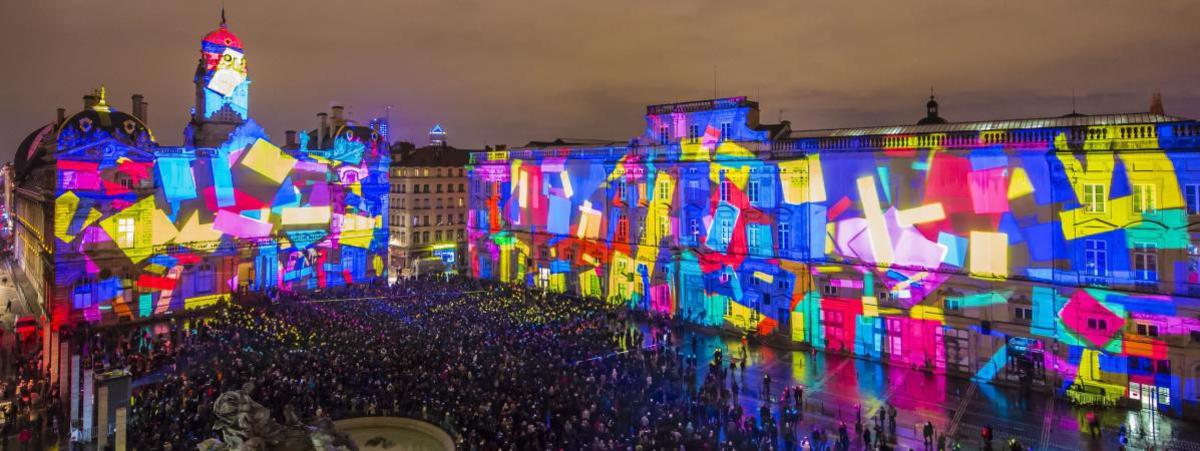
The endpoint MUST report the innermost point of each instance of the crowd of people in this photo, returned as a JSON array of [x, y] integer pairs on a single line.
[[498, 366]]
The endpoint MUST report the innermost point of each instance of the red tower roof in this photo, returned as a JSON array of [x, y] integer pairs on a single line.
[[223, 37]]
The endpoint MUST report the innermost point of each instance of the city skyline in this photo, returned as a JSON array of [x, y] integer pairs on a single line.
[[568, 82]]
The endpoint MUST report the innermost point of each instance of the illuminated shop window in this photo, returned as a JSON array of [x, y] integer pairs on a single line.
[[1145, 262], [1095, 256], [1143, 198], [1094, 199], [125, 232]]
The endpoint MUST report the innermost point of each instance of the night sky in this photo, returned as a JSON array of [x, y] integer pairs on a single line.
[[513, 71]]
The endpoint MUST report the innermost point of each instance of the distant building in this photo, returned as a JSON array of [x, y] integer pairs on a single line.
[[382, 126], [428, 209], [437, 135]]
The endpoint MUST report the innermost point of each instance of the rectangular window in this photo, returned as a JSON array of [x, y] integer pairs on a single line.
[[726, 131], [1147, 330], [1144, 200], [694, 230], [724, 190], [1094, 199], [1095, 255], [785, 236], [620, 189], [1023, 313], [753, 191], [1191, 196], [1145, 262], [693, 133], [664, 135], [663, 190], [828, 290], [125, 232], [726, 231], [752, 238]]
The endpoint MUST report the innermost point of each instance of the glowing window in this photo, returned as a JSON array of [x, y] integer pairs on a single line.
[[662, 190], [1144, 200], [1094, 199], [125, 232], [1095, 257], [622, 227], [1145, 262]]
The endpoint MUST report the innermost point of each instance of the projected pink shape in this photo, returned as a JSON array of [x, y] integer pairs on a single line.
[[240, 226], [989, 190], [1083, 308]]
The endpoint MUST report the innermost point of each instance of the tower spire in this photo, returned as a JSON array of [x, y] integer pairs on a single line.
[[223, 16]]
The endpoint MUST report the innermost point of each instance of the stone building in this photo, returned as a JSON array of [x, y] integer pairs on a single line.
[[1056, 253], [428, 208]]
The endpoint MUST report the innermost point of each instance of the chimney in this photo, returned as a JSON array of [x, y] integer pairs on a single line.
[[1156, 106], [321, 130], [145, 117], [337, 115], [61, 114], [90, 101], [291, 139], [136, 100]]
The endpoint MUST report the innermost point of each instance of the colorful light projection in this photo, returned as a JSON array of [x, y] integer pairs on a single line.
[[140, 231], [223, 74], [869, 251]]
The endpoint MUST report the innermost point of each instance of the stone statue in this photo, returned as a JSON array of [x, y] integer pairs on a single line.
[[245, 425]]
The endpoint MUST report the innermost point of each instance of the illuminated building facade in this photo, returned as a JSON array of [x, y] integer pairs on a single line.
[[428, 208], [112, 225], [1056, 253]]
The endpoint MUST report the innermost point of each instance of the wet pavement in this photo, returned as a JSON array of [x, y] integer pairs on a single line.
[[958, 407]]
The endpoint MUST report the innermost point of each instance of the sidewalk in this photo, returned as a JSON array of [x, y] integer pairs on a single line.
[[835, 384]]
